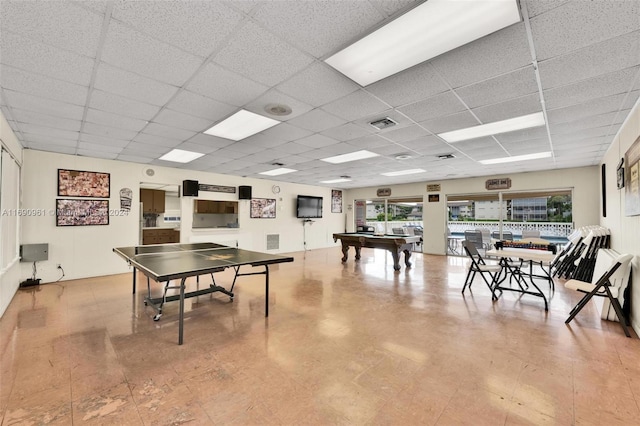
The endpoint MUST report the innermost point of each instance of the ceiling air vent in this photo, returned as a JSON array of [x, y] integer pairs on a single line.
[[383, 123], [446, 156]]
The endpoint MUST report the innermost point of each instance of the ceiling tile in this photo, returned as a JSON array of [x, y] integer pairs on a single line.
[[39, 135], [592, 107], [460, 120], [193, 147], [135, 52], [258, 55], [517, 107], [317, 85], [114, 120], [179, 120], [346, 132], [135, 158], [42, 105], [522, 135], [355, 105], [143, 148], [225, 86], [317, 120], [394, 7], [578, 24], [158, 140], [39, 85], [406, 87], [293, 148], [317, 141], [187, 25], [97, 154], [132, 86], [51, 146], [436, 106], [602, 58], [499, 53], [591, 121], [367, 142], [168, 132], [261, 140], [24, 116], [405, 134], [100, 140], [38, 58], [212, 141], [36, 129], [596, 87], [110, 102], [499, 89], [108, 131], [200, 106], [319, 28], [60, 24], [286, 132], [87, 146]]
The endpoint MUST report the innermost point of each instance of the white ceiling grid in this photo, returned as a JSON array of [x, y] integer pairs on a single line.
[[131, 80]]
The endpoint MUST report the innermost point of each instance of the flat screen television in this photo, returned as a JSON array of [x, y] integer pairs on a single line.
[[309, 207]]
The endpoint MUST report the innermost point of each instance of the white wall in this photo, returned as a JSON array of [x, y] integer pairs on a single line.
[[625, 230], [583, 180], [86, 251], [10, 278]]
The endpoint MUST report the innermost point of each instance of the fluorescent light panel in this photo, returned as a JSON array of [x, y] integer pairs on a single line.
[[180, 156], [426, 31], [495, 128], [517, 158], [404, 172], [352, 156], [241, 125], [335, 180], [277, 172]]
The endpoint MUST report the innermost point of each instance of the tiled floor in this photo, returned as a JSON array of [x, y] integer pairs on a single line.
[[344, 344]]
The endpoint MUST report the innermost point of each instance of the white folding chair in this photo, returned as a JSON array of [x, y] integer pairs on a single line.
[[604, 287]]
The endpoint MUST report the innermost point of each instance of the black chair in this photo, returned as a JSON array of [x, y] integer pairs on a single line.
[[506, 235], [478, 265]]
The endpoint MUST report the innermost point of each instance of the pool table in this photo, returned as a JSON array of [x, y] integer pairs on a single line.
[[394, 243]]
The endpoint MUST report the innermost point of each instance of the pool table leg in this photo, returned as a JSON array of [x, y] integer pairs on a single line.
[[407, 255], [396, 259], [345, 252]]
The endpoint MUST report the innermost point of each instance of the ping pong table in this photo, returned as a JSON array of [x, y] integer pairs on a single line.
[[166, 262]]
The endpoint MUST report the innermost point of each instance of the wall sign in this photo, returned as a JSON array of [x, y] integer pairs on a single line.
[[502, 183], [620, 174], [126, 195], [217, 188], [383, 192], [632, 179], [434, 198], [434, 187], [336, 201]]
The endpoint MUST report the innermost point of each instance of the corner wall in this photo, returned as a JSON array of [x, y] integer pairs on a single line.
[[10, 278], [625, 230]]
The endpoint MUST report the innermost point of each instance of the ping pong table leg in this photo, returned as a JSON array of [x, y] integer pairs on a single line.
[[181, 320], [135, 272], [266, 291]]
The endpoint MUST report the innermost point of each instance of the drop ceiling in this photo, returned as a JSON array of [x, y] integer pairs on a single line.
[[131, 80]]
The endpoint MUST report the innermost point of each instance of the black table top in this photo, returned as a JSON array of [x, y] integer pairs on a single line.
[[165, 262]]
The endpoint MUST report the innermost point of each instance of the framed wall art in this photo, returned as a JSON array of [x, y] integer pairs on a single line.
[[336, 201], [71, 212], [263, 208], [78, 183], [632, 179]]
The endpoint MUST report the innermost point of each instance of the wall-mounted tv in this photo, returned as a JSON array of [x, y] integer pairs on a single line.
[[309, 207]]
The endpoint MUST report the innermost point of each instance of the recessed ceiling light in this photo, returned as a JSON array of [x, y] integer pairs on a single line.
[[180, 156], [241, 125], [336, 180], [276, 172], [426, 31], [402, 156], [404, 172], [517, 158], [497, 127], [278, 109], [352, 156]]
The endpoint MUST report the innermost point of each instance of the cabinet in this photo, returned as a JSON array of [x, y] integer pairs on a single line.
[[152, 200], [219, 207], [160, 236]]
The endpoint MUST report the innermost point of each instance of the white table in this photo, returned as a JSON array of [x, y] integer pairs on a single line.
[[530, 255]]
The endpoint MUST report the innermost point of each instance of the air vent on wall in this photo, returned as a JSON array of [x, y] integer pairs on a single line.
[[383, 123], [148, 172], [273, 241], [446, 156]]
